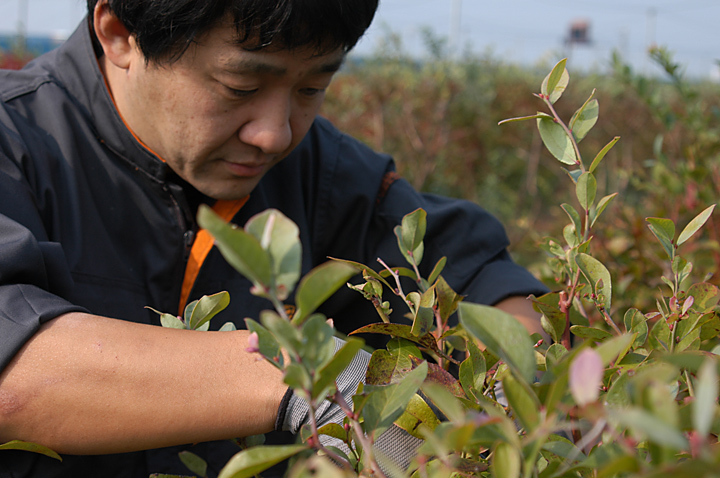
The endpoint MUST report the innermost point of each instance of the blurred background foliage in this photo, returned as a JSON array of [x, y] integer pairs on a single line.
[[438, 118]]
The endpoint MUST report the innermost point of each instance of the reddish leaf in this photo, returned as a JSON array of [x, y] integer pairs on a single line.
[[440, 376], [400, 330]]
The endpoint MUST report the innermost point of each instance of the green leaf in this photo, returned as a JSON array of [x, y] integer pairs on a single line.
[[614, 349], [664, 230], [447, 298], [706, 296], [283, 331], [648, 426], [502, 334], [592, 333], [297, 377], [437, 270], [171, 322], [326, 376], [472, 371], [659, 337], [584, 119], [586, 189], [688, 334], [385, 403], [365, 270], [399, 346], [618, 395], [253, 461], [402, 331], [681, 267], [205, 309], [636, 322], [596, 162], [280, 237], [523, 402], [523, 118], [267, 344], [242, 251], [602, 204], [574, 217], [557, 141], [695, 225], [554, 355], [334, 430], [423, 322], [413, 229], [555, 82], [318, 346], [595, 273], [574, 174], [31, 447], [505, 461], [571, 235], [417, 413], [448, 403], [563, 448], [553, 319], [410, 236], [318, 285], [706, 392], [194, 463]]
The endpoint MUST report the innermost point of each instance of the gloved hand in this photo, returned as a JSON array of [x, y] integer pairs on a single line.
[[395, 444]]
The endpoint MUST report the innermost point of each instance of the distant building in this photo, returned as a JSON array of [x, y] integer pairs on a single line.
[[579, 33]]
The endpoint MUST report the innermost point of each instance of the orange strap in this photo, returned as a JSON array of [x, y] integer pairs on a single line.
[[202, 245]]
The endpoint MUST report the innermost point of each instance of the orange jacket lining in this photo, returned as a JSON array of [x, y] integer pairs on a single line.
[[202, 245]]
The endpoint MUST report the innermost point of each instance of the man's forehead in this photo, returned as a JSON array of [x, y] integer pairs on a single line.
[[250, 56], [276, 60]]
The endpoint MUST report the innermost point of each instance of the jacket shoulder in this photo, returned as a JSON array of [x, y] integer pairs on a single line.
[[18, 83]]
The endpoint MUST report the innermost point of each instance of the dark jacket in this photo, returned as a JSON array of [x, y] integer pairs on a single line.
[[92, 221]]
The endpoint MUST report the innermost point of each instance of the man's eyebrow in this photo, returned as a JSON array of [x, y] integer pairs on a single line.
[[259, 67], [331, 66]]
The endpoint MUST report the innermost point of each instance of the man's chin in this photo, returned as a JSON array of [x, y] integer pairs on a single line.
[[230, 192]]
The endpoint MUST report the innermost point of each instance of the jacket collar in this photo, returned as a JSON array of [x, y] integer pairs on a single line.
[[78, 69]]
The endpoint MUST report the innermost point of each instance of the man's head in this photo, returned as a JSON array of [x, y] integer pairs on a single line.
[[223, 91], [164, 29]]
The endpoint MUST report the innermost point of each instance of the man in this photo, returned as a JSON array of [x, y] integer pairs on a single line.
[[107, 147]]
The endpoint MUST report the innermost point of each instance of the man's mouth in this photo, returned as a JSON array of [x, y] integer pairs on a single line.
[[246, 170]]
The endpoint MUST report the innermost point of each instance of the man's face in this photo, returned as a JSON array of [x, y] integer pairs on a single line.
[[222, 116]]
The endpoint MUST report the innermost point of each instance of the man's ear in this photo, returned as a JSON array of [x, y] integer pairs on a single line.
[[117, 43]]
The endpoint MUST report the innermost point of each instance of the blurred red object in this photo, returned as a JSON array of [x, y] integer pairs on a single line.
[[12, 61]]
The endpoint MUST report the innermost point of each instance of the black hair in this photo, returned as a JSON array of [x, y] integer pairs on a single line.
[[164, 29]]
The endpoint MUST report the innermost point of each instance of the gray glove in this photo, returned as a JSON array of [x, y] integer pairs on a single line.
[[395, 444]]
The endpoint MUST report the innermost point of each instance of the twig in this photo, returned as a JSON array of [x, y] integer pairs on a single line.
[[359, 434]]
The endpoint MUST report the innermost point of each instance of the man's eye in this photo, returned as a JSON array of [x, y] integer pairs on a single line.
[[241, 93], [310, 92]]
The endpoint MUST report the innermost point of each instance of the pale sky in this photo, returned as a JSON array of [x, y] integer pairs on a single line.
[[523, 31]]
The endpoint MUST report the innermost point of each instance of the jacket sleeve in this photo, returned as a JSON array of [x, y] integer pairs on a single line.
[[33, 271]]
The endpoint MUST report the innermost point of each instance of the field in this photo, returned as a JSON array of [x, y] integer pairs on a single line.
[[439, 120]]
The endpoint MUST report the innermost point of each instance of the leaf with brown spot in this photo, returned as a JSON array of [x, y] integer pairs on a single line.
[[440, 376], [400, 330]]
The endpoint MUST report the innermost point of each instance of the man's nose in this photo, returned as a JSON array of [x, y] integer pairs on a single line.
[[269, 129]]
